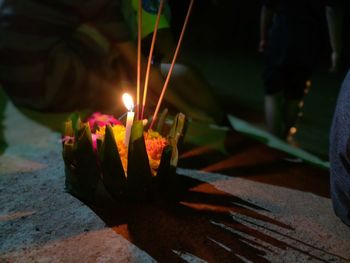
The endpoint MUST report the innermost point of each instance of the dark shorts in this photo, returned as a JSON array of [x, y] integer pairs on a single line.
[[287, 78]]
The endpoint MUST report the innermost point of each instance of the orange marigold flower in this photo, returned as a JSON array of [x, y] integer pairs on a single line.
[[155, 144]]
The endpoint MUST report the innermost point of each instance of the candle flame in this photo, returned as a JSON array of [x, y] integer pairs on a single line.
[[128, 102]]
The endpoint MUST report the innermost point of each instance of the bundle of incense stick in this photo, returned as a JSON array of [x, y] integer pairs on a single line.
[[140, 114]]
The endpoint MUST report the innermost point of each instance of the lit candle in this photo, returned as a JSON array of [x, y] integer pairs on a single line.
[[129, 104]]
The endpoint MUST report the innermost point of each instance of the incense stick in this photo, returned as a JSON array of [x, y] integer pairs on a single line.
[[160, 8], [172, 64], [139, 59]]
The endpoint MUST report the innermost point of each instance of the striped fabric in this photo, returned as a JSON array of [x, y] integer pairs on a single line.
[[54, 53]]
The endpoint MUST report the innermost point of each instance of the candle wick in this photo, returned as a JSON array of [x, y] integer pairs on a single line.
[[124, 114]]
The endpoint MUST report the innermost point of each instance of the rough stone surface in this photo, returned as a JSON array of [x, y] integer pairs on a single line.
[[39, 221], [302, 221]]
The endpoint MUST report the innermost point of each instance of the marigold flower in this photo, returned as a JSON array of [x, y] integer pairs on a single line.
[[155, 143]]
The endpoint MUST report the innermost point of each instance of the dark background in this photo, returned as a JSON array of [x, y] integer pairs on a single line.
[[221, 41]]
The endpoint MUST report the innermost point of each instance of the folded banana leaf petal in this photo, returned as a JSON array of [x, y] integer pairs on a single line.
[[68, 156], [139, 179], [68, 128], [175, 134], [167, 177], [68, 142], [164, 165], [75, 120], [161, 120], [113, 175], [177, 127], [71, 181], [84, 168]]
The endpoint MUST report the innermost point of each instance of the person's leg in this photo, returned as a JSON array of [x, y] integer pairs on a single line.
[[274, 85], [273, 108]]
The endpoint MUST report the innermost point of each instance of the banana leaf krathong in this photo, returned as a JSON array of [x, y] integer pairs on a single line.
[[92, 162]]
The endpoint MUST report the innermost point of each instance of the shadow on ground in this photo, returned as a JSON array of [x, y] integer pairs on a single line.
[[205, 224], [208, 224]]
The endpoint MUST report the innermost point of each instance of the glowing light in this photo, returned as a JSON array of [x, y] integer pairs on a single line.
[[293, 131], [128, 101], [129, 104]]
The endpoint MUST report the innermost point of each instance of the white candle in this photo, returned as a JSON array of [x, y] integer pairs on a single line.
[[129, 104]]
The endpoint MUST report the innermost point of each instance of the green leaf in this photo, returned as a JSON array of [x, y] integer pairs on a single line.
[[164, 165], [139, 172], [161, 121], [68, 128], [113, 175], [75, 119], [168, 180], [85, 168], [175, 136], [177, 128], [68, 153]]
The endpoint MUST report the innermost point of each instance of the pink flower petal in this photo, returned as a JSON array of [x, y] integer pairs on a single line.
[[100, 120]]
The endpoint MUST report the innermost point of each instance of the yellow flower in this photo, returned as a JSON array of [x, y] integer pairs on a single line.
[[155, 144], [119, 135]]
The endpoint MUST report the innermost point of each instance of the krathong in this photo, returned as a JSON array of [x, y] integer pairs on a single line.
[[95, 155]]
